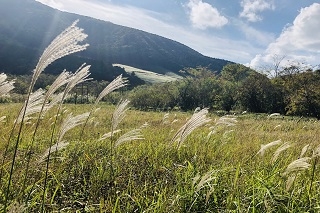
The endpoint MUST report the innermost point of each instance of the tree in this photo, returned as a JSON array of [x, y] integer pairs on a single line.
[[256, 93], [300, 89], [233, 76], [235, 72]]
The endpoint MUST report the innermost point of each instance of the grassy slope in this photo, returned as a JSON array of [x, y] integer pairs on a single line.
[[149, 76], [153, 176]]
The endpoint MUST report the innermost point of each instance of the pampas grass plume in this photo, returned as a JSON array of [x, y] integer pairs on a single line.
[[119, 113], [115, 84], [5, 86], [282, 148], [80, 76], [64, 44], [198, 119], [134, 134], [304, 150], [35, 103], [54, 148], [70, 122], [297, 165], [264, 147]]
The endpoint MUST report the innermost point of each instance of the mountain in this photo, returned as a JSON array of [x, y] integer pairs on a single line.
[[27, 27]]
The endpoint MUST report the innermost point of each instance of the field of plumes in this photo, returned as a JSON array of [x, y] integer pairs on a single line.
[[58, 157], [245, 163]]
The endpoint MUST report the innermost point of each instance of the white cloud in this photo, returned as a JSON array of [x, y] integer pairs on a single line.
[[251, 8], [203, 15], [299, 41]]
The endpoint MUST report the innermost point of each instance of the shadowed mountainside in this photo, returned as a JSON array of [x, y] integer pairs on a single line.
[[27, 27]]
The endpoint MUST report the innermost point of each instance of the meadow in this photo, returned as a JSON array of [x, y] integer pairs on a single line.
[[218, 168], [58, 157]]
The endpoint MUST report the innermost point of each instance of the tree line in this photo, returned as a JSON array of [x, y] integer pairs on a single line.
[[294, 90]]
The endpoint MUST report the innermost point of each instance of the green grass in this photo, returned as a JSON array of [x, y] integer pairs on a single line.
[[151, 175]]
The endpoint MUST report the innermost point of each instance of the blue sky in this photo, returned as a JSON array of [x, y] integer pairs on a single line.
[[251, 32]]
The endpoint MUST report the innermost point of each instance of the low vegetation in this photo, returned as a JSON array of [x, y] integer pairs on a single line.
[[58, 157], [223, 166]]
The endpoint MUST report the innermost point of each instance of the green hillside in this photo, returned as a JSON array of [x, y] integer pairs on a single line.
[[27, 26]]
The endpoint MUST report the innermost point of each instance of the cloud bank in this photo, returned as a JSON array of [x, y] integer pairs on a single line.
[[203, 15], [251, 8], [299, 41]]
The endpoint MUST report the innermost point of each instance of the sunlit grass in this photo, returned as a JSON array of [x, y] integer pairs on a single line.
[[152, 175]]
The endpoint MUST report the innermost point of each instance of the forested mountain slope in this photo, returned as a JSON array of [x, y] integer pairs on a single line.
[[27, 27]]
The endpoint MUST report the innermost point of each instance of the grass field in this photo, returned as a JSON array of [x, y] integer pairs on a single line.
[[76, 158], [217, 172]]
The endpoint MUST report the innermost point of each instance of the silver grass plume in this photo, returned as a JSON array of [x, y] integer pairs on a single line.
[[165, 118], [228, 121], [304, 150], [316, 152], [129, 136], [197, 120], [3, 77], [5, 86], [206, 178], [297, 165], [55, 99], [264, 147], [222, 121], [109, 134], [145, 125], [290, 181], [274, 115], [54, 148], [64, 44], [70, 122], [61, 80], [119, 113], [281, 148], [115, 84], [3, 118], [80, 76], [204, 181], [35, 103], [53, 102]]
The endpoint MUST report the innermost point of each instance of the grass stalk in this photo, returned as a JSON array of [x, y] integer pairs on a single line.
[[315, 161]]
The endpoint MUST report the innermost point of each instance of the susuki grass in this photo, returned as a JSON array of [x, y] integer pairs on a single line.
[[151, 174], [67, 158]]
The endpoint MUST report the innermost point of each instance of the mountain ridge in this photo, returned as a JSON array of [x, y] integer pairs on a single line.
[[28, 27]]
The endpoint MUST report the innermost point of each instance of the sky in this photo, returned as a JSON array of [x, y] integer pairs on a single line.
[[255, 33]]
